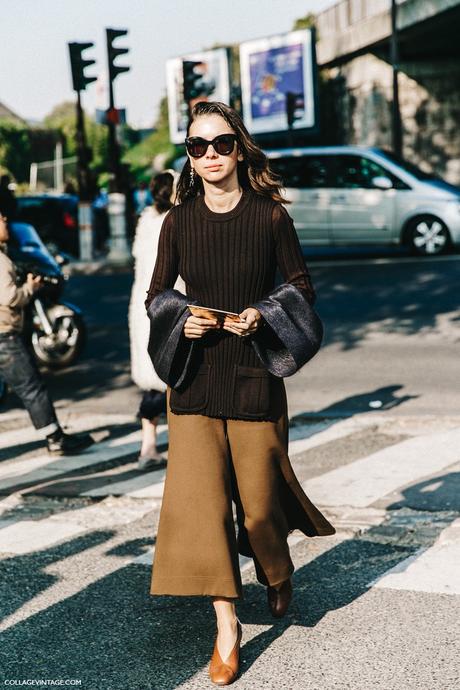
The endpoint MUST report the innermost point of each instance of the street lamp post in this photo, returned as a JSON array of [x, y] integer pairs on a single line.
[[396, 124]]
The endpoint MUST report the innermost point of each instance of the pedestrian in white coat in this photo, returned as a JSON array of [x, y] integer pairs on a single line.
[[145, 247]]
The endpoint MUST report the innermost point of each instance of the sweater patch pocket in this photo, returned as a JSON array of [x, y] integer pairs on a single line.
[[251, 391], [194, 395]]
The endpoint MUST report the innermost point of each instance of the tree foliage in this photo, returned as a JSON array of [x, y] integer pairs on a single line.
[[141, 157], [15, 149], [63, 119], [307, 22]]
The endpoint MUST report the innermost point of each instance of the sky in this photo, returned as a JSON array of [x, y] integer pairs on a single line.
[[34, 63]]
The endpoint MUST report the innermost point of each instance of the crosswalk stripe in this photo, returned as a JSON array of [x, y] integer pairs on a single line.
[[435, 570], [26, 536], [25, 432], [362, 482], [352, 488], [305, 436], [43, 467], [146, 485]]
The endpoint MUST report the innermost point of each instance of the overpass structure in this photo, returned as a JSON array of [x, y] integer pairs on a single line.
[[353, 52], [353, 27]]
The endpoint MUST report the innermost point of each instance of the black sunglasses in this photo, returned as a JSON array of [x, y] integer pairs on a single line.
[[222, 144]]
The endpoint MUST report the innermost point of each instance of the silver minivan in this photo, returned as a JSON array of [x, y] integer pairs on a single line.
[[345, 195]]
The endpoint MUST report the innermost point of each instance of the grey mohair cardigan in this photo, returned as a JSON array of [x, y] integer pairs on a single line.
[[290, 336]]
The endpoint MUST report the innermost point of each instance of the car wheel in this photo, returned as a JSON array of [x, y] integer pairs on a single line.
[[428, 235]]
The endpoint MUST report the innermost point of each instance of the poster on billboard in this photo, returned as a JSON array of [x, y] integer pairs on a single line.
[[207, 79], [277, 77]]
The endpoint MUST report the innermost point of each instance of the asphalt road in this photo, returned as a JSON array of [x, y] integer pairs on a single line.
[[374, 440]]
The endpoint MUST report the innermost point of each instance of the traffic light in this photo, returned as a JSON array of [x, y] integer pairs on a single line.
[[291, 104], [113, 53], [193, 80], [78, 65]]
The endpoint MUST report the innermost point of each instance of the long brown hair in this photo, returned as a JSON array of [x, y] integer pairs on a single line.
[[161, 187], [253, 171]]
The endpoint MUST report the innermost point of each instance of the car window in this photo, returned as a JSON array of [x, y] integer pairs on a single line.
[[302, 171], [357, 172]]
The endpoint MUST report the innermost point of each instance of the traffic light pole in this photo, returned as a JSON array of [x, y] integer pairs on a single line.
[[114, 149], [84, 188], [119, 251], [397, 133], [83, 173], [80, 80]]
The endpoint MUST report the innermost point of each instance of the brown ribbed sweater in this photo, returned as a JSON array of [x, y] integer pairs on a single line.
[[228, 261]]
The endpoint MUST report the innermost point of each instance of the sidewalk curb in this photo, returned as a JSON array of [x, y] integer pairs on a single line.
[[99, 267]]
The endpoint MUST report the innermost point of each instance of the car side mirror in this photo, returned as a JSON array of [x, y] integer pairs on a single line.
[[382, 182]]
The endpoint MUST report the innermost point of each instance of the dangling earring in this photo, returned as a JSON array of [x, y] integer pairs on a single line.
[[192, 178]]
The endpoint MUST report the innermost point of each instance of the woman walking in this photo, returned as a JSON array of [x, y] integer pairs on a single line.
[[227, 412], [143, 374]]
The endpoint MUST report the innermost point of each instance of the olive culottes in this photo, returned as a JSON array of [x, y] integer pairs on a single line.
[[196, 548]]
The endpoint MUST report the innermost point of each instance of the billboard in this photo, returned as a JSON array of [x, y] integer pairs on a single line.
[[274, 71], [207, 78]]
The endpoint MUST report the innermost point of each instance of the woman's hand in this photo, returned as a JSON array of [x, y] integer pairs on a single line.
[[251, 319], [197, 327]]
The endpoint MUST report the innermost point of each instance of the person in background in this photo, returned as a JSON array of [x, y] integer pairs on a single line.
[[144, 250], [8, 203], [17, 366], [101, 219], [142, 197]]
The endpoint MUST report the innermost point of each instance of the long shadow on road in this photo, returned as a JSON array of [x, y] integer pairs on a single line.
[[113, 636]]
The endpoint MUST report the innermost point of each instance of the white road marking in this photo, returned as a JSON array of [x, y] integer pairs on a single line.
[[27, 536], [435, 570], [304, 436], [362, 482], [25, 433], [146, 485], [44, 467]]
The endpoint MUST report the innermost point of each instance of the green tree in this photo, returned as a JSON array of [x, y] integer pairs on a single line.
[[307, 22], [141, 156], [63, 119], [15, 149]]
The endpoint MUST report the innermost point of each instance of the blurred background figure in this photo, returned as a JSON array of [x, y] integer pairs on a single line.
[[8, 203], [145, 247], [142, 197], [101, 220], [17, 366]]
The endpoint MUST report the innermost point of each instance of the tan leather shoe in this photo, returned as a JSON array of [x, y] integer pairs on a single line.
[[225, 672], [279, 599]]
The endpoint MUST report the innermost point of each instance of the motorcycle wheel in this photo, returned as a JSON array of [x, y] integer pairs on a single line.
[[64, 346]]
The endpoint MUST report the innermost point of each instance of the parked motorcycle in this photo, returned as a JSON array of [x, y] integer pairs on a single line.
[[55, 327]]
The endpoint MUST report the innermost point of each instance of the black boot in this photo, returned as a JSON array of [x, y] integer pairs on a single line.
[[60, 443]]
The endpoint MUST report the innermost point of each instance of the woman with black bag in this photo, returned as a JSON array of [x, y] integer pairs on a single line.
[[226, 400]]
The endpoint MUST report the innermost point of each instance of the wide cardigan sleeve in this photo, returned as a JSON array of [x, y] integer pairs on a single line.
[[167, 264], [291, 332], [289, 257]]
